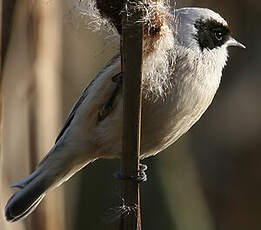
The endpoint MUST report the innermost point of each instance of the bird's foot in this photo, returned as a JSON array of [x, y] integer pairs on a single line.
[[140, 177]]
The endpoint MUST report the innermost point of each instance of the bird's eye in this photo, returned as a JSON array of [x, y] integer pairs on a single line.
[[218, 35]]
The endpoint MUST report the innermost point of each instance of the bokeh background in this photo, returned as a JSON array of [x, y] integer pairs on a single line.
[[209, 180]]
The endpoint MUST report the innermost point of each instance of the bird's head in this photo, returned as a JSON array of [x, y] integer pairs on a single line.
[[205, 36], [202, 29]]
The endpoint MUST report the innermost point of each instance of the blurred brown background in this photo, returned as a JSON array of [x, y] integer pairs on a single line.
[[209, 180]]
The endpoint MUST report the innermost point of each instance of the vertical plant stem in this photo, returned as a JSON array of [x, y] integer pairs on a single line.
[[7, 11], [1, 76], [1, 37], [6, 18], [131, 53]]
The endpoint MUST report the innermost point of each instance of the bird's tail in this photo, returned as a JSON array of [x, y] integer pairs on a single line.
[[51, 172], [23, 202]]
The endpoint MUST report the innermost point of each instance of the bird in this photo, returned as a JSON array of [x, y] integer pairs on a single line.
[[182, 70]]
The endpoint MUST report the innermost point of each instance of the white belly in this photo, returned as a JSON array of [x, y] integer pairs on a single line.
[[163, 122]]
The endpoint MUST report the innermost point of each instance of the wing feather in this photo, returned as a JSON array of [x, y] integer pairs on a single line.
[[84, 94]]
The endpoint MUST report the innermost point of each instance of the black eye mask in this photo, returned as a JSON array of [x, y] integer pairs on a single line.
[[211, 34]]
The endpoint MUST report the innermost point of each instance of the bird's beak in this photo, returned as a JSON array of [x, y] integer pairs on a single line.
[[234, 42]]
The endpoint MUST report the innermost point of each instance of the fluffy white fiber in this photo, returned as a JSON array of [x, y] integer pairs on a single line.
[[158, 41]]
